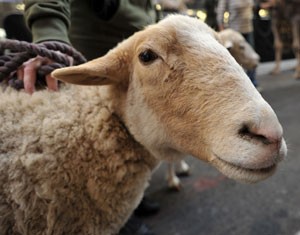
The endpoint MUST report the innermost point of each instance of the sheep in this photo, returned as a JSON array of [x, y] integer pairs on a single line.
[[78, 161], [246, 56], [239, 48]]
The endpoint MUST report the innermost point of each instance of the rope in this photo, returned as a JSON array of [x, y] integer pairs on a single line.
[[22, 51]]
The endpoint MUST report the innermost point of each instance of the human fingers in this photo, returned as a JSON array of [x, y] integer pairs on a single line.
[[20, 73], [29, 73], [52, 83]]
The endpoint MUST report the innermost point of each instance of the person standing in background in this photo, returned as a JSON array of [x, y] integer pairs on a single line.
[[241, 20]]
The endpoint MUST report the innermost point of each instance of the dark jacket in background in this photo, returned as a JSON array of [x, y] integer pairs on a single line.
[[86, 24]]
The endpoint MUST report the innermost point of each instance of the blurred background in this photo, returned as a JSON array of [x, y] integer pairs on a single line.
[[205, 10], [12, 23]]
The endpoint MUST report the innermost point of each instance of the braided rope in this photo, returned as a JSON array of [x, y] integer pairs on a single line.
[[57, 52]]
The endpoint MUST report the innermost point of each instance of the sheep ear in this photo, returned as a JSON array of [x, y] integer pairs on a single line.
[[102, 71], [228, 44]]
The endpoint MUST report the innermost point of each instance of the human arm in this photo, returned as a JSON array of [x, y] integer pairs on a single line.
[[48, 21]]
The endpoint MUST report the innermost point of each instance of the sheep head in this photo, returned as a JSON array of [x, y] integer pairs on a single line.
[[239, 48], [179, 91]]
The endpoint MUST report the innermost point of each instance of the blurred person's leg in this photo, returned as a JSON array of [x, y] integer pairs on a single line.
[[249, 37]]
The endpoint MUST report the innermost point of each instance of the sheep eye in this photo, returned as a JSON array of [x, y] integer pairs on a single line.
[[147, 56], [242, 47]]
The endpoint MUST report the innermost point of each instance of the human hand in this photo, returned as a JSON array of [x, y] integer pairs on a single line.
[[28, 74], [35, 72]]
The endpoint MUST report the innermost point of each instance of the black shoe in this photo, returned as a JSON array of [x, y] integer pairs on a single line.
[[135, 226], [147, 207]]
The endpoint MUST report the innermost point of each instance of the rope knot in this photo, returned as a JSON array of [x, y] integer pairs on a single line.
[[57, 52]]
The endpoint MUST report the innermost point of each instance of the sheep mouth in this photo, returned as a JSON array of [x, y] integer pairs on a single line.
[[243, 174]]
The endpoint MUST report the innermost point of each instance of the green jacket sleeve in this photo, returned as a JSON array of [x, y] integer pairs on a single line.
[[48, 20]]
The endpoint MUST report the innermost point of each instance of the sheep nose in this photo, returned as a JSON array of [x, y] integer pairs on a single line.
[[265, 130], [264, 135]]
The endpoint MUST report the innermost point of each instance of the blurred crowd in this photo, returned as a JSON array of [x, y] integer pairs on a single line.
[[209, 7]]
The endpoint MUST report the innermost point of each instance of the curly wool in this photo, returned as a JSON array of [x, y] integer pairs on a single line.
[[72, 167]]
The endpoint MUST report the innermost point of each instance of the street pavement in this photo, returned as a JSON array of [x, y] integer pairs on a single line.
[[211, 204]]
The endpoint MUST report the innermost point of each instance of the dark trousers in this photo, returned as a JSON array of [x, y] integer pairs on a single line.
[[249, 37]]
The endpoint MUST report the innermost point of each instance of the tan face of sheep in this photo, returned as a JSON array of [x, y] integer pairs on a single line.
[[179, 91], [239, 48]]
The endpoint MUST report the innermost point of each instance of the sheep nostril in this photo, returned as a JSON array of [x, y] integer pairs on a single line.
[[248, 133]]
